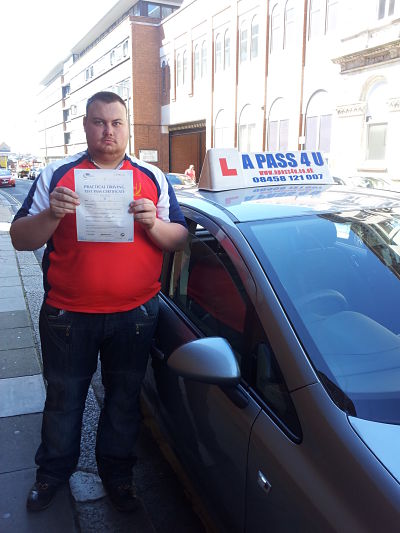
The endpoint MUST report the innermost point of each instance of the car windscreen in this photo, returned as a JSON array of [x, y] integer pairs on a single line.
[[338, 278]]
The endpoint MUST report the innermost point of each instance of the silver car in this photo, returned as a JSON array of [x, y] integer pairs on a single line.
[[275, 374]]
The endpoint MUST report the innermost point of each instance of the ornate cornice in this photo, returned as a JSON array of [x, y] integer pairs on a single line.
[[370, 56], [394, 104], [351, 110], [188, 126]]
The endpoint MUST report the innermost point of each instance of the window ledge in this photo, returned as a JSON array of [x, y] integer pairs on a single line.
[[373, 166]]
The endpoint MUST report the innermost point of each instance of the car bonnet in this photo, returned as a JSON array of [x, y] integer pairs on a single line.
[[382, 439]]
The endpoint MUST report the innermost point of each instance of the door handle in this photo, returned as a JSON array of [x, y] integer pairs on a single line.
[[263, 482]]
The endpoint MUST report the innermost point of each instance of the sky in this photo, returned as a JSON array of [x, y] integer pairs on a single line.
[[34, 37]]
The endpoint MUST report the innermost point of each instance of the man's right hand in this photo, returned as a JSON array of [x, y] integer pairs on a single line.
[[63, 201]]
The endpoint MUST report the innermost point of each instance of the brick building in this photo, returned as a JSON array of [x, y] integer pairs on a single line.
[[120, 54]]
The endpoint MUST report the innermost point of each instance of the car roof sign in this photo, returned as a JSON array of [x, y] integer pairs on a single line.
[[227, 168]]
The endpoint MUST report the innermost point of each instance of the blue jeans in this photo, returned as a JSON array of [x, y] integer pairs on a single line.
[[71, 343]]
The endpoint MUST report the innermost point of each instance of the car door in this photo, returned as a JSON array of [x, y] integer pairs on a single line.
[[209, 426]]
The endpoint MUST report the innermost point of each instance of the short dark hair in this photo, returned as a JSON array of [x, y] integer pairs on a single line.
[[104, 96]]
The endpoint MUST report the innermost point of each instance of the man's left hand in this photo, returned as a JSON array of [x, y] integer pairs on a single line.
[[144, 212]]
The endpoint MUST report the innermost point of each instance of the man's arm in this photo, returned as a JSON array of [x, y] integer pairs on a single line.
[[168, 236], [32, 232]]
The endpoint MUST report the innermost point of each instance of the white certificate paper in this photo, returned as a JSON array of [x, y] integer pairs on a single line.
[[104, 196]]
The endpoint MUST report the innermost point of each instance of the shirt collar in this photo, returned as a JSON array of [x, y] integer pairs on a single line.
[[118, 167]]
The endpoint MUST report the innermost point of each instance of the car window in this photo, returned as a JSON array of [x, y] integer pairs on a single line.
[[205, 285], [338, 278]]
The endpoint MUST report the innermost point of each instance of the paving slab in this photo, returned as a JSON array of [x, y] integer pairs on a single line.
[[12, 304], [22, 395], [8, 256], [20, 438], [17, 363], [6, 245], [13, 319], [11, 292], [14, 518], [10, 281], [9, 269], [14, 338]]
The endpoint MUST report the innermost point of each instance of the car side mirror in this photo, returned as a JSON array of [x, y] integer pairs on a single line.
[[209, 360]]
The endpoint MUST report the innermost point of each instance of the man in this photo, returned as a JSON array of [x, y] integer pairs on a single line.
[[100, 297], [190, 173]]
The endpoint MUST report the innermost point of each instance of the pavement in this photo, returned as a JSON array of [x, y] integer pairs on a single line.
[[81, 506]]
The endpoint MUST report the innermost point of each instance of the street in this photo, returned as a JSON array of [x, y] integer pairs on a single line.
[[163, 497]]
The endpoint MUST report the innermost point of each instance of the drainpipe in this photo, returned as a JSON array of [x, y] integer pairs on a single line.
[[303, 62], [237, 52], [264, 140]]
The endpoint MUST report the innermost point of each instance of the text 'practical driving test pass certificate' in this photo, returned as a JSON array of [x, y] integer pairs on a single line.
[[104, 196]]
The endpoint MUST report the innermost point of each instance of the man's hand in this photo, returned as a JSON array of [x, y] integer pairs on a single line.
[[168, 236], [144, 212], [63, 201]]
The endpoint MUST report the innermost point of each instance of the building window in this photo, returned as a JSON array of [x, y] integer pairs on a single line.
[[218, 52], [166, 11], [185, 66], [376, 120], [125, 48], [319, 122], [276, 38], [153, 10], [196, 69], [331, 15], [221, 131], [112, 58], [315, 25], [254, 38], [247, 130], [227, 50], [66, 90], [87, 74], [386, 8], [289, 24], [278, 127], [178, 70], [91, 71], [325, 128], [243, 42], [203, 59], [318, 132]]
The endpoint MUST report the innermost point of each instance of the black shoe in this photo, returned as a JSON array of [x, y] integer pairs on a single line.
[[122, 497], [40, 496]]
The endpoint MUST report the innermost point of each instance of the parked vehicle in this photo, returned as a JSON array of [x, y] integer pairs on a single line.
[[6, 178], [23, 169], [275, 373], [34, 173], [179, 181]]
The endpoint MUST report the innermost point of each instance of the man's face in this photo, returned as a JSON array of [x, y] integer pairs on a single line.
[[106, 129]]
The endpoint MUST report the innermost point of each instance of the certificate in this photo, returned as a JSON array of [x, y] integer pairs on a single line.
[[104, 196]]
